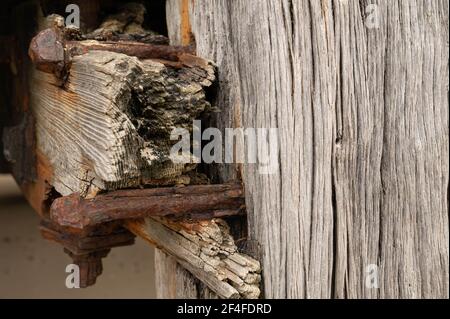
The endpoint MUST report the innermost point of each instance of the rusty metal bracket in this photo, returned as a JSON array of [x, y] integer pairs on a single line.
[[89, 228], [87, 248], [194, 201]]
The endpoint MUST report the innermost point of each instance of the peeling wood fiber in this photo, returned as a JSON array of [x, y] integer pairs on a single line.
[[207, 250]]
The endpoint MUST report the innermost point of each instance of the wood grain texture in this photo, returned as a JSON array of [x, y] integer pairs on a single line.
[[105, 119], [165, 276], [279, 71], [172, 281], [391, 157], [207, 250], [183, 284], [108, 124], [179, 26], [362, 115]]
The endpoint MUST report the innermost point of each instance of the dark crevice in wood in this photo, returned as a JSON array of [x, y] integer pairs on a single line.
[[337, 142], [18, 148], [335, 260], [5, 107], [155, 18], [90, 11], [313, 134], [51, 196], [384, 133], [94, 11], [17, 27]]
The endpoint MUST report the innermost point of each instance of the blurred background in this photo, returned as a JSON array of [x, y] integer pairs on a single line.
[[31, 267]]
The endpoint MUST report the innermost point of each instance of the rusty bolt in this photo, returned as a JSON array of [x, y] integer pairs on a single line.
[[47, 51]]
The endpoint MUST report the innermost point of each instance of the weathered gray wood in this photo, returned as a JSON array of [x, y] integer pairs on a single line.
[[174, 282], [166, 284], [279, 77], [363, 127]]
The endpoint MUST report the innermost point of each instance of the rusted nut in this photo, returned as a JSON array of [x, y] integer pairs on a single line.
[[87, 248], [47, 51], [90, 265]]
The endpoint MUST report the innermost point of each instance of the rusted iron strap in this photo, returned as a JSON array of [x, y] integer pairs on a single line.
[[131, 48], [79, 243], [51, 53], [195, 202]]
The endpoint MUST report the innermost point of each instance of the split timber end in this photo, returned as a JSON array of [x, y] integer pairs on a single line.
[[207, 250]]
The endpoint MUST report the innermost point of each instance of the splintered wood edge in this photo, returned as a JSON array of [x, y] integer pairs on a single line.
[[207, 250]]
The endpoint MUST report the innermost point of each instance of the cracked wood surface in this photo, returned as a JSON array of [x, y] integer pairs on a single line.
[[363, 119], [205, 249], [113, 119]]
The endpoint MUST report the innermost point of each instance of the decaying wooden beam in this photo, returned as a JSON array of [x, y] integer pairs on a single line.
[[128, 23], [194, 202], [90, 11], [207, 250], [113, 118]]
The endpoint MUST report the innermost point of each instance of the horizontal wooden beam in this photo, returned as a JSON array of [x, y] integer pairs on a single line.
[[194, 202]]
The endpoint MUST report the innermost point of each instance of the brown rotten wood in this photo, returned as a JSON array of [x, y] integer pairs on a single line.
[[194, 202]]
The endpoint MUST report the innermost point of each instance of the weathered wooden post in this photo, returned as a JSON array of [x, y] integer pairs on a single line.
[[357, 203], [359, 93]]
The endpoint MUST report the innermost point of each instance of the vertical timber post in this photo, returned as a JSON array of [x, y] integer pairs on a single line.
[[362, 116]]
